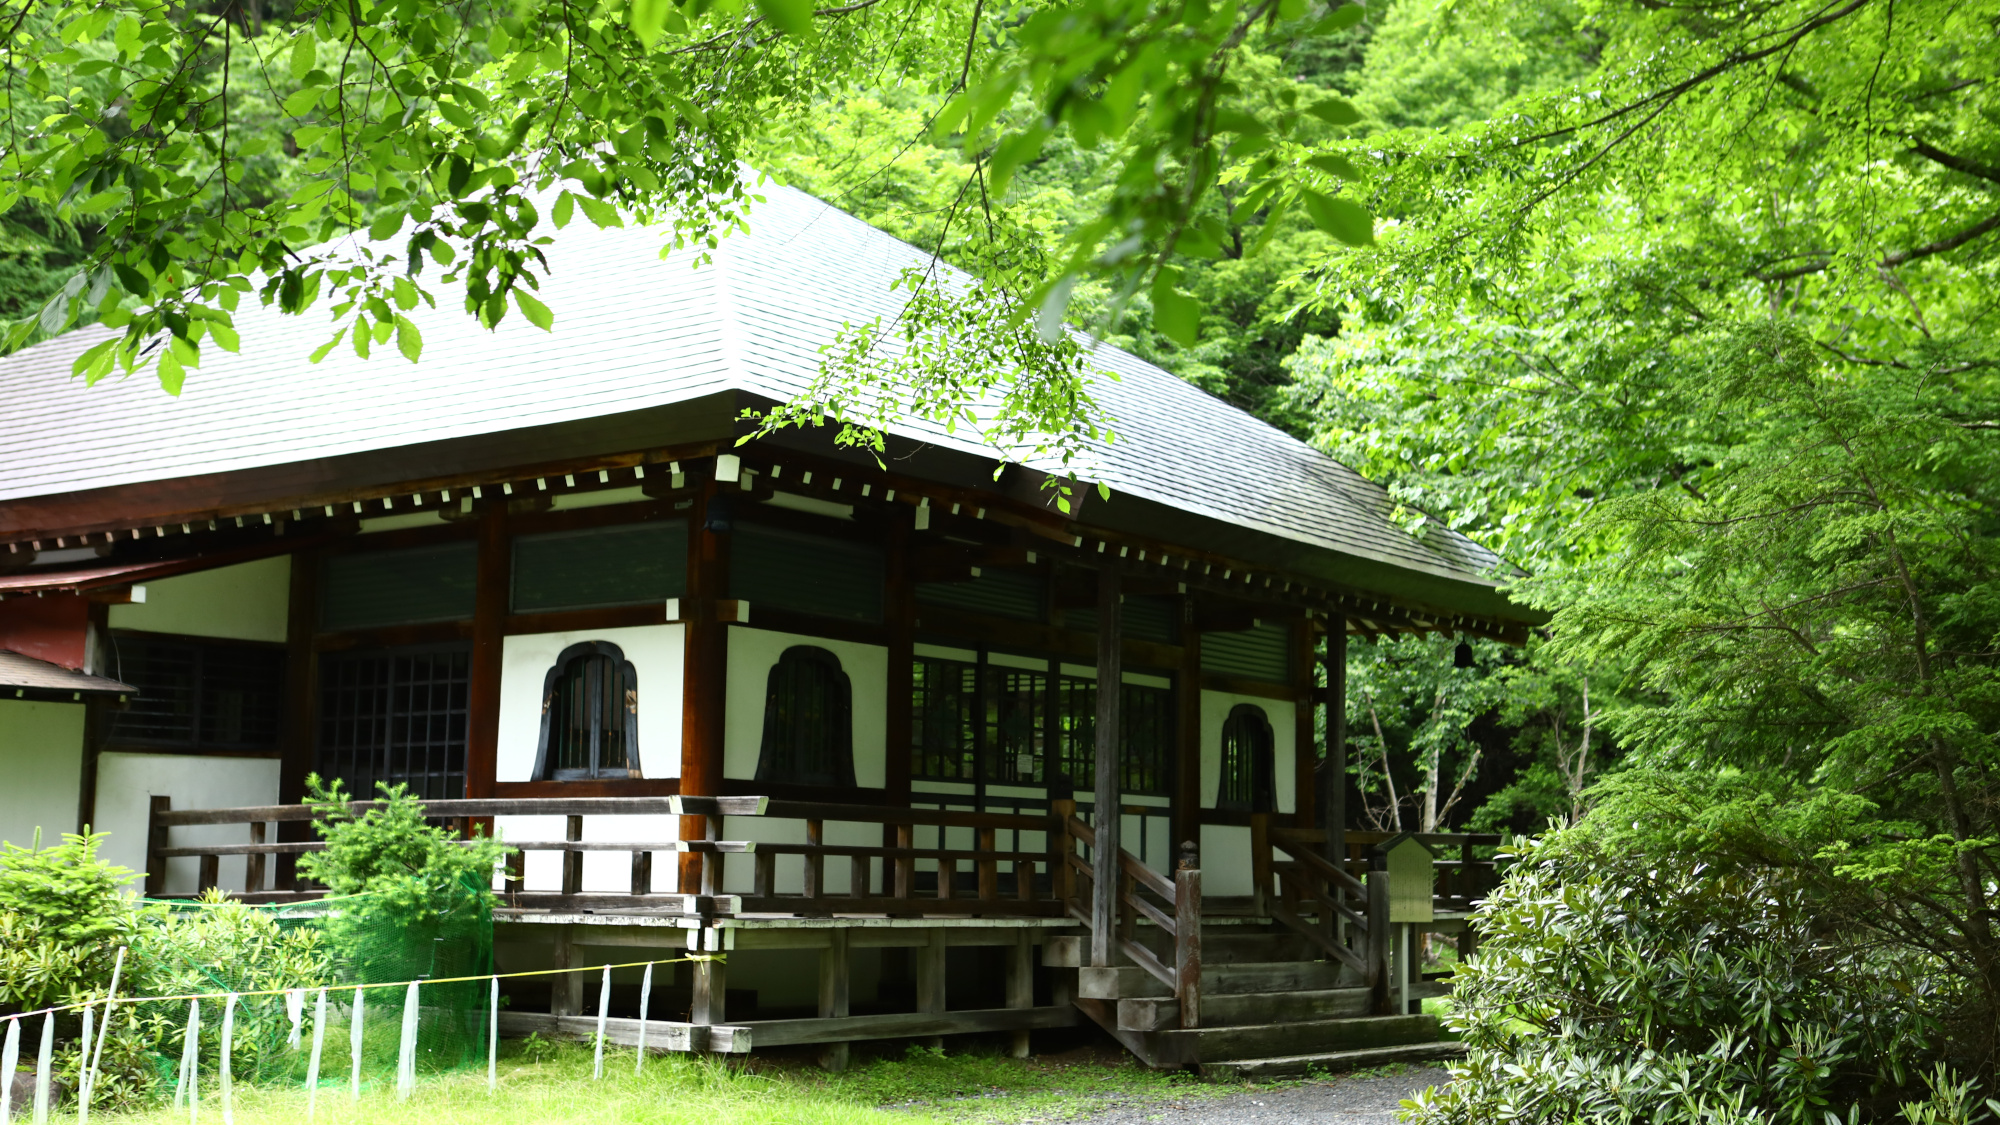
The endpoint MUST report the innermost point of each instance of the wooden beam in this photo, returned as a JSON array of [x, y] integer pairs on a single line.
[[834, 995], [901, 1025], [1106, 879], [931, 980], [1021, 987], [1305, 675]]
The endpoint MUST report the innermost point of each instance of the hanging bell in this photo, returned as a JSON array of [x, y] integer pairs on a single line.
[[1461, 657]]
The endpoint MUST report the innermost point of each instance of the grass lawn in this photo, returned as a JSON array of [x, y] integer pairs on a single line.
[[551, 1083]]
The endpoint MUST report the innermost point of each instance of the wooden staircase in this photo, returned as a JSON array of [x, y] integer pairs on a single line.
[[1267, 1009], [1301, 982]]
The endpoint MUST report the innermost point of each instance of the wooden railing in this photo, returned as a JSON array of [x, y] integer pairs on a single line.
[[706, 882], [1177, 913]]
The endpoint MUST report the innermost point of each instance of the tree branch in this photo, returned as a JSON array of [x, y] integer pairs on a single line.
[[1937, 155]]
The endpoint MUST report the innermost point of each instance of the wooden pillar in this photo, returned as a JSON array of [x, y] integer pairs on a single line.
[[490, 602], [1021, 986], [155, 885], [899, 608], [1333, 779], [1187, 735], [1104, 857], [705, 695], [1305, 756], [930, 980], [833, 994], [301, 721], [566, 991], [711, 992]]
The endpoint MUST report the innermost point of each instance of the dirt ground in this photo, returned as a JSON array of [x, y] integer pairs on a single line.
[[1366, 1099]]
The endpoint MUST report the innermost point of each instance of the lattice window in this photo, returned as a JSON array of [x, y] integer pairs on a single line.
[[396, 715], [808, 721], [197, 694], [1146, 735], [943, 704], [1247, 761], [590, 715], [1016, 703]]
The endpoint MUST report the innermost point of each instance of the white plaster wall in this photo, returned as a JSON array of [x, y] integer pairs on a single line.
[[1225, 850], [752, 654], [1282, 715], [658, 654], [126, 782], [41, 769], [246, 602]]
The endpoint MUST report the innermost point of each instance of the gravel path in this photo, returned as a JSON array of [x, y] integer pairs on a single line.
[[1371, 1100]]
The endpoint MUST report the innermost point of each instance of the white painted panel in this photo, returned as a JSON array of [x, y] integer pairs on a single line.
[[738, 875], [658, 654], [127, 782], [1215, 708], [603, 872], [1225, 860], [41, 768], [752, 655], [246, 602]]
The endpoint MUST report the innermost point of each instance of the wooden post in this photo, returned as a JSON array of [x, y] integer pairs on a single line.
[[1379, 929], [517, 872], [1260, 863], [930, 979], [1333, 778], [642, 872], [1187, 731], [905, 866], [1305, 756], [712, 872], [572, 862], [1187, 936], [208, 877], [566, 994], [711, 992], [764, 874], [301, 725], [156, 842], [858, 876], [814, 877], [253, 862], [899, 619], [492, 596], [1104, 857], [1021, 985], [1062, 878], [833, 995], [987, 869], [705, 682]]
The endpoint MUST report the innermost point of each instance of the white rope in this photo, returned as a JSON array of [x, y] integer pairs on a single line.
[[603, 1011], [493, 1039], [319, 1042], [645, 1002], [187, 1082], [354, 1049], [42, 1069], [295, 1011], [406, 1051], [226, 1082], [10, 1062]]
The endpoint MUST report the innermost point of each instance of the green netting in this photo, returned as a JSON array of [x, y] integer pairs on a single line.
[[279, 959]]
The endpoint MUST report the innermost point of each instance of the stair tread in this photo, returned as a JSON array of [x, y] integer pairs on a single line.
[[1282, 1065]]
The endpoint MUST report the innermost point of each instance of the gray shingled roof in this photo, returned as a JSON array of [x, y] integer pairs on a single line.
[[634, 331]]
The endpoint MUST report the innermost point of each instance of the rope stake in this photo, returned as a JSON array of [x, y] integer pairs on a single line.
[[312, 1065]]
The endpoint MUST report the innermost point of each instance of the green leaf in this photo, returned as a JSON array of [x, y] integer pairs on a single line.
[[1335, 165], [1340, 19], [1341, 217], [301, 103], [305, 52], [320, 352], [563, 211], [793, 17], [1335, 111], [172, 374], [649, 18], [408, 340], [599, 212], [538, 314], [385, 225], [1175, 314], [85, 361], [225, 336]]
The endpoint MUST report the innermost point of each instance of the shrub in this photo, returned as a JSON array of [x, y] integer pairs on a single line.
[[410, 869], [1620, 985], [62, 918]]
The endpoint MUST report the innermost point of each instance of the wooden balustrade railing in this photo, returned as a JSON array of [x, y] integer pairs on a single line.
[[899, 862], [1177, 914]]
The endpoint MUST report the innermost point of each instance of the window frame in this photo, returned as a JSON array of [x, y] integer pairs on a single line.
[[772, 768], [628, 676], [197, 742], [1260, 761]]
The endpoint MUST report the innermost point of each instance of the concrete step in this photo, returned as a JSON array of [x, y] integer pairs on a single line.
[[1284, 1040], [1332, 1062], [1128, 981], [1164, 1013]]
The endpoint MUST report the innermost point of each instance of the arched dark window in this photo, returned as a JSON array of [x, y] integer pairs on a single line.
[[1246, 761], [590, 715], [808, 721]]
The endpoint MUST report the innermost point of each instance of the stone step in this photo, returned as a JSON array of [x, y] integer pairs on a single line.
[[1121, 982], [1164, 1013], [1219, 946], [1283, 1040], [1331, 1062]]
